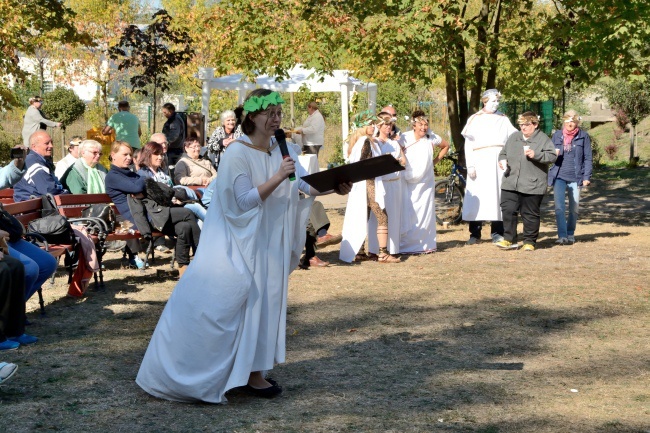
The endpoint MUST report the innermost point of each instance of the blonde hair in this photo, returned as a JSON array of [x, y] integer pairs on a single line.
[[115, 147], [354, 137]]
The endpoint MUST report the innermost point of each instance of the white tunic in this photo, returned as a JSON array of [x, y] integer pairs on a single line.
[[394, 190], [420, 182], [485, 135], [226, 316]]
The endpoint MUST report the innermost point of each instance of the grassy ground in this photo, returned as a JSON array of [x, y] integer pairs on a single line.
[[469, 339]]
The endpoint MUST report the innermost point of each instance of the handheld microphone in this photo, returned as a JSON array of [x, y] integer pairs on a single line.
[[281, 138]]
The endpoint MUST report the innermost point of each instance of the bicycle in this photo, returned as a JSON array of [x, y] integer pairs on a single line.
[[449, 193]]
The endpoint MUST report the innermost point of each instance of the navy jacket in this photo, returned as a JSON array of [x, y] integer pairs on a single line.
[[119, 183], [582, 153], [38, 180]]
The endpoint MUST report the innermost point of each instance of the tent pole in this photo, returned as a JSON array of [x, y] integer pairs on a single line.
[[293, 120], [345, 111]]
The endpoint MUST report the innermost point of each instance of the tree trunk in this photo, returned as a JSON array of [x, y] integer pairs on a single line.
[[494, 50], [452, 114], [632, 136], [481, 41], [153, 114]]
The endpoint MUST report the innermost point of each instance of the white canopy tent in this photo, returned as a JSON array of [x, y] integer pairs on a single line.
[[339, 81]]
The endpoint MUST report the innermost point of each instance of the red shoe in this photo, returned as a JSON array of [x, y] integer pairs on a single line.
[[318, 263]]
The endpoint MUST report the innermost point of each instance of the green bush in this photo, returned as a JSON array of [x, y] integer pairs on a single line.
[[63, 105], [7, 141]]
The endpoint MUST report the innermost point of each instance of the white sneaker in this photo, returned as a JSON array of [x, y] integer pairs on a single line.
[[562, 241], [472, 241], [571, 239]]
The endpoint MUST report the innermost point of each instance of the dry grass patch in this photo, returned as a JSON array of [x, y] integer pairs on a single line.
[[469, 339]]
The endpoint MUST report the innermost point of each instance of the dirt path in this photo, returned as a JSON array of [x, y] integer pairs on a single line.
[[469, 339]]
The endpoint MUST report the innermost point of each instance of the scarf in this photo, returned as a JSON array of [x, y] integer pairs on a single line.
[[568, 138], [161, 177], [94, 181]]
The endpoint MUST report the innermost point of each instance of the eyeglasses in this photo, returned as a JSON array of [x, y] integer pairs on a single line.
[[95, 152], [272, 114], [525, 124], [194, 147]]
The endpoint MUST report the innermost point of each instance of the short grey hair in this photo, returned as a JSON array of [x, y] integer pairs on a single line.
[[90, 145], [227, 114]]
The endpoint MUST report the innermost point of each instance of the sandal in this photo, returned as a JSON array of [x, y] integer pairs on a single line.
[[387, 258]]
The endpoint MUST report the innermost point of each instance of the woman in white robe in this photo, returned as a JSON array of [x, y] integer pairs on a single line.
[[224, 324], [355, 224], [418, 146]]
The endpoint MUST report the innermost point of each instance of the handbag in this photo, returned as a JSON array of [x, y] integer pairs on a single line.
[[54, 228], [102, 211], [11, 225]]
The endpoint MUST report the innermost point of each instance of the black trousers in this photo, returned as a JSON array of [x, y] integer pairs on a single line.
[[12, 298], [526, 205], [475, 228], [182, 224]]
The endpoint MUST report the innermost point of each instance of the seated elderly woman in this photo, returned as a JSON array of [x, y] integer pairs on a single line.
[[191, 169], [86, 176], [151, 165], [124, 185], [223, 136]]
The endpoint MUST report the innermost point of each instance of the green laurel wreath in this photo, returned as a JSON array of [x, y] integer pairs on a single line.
[[257, 103]]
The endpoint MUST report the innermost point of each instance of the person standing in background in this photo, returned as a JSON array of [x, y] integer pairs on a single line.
[[125, 124], [174, 130], [35, 119], [313, 130]]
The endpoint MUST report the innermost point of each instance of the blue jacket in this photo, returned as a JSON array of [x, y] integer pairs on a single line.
[[582, 153], [10, 174], [119, 183], [38, 180]]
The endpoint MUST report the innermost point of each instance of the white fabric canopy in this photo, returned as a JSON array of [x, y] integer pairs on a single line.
[[299, 78]]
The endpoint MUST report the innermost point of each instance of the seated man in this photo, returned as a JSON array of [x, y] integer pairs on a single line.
[[39, 179], [317, 236]]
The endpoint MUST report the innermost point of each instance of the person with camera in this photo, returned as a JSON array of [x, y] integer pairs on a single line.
[[13, 172]]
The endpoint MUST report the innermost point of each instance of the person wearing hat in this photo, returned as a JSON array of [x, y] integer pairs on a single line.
[[571, 171], [68, 161], [486, 132], [125, 124], [35, 119], [525, 159]]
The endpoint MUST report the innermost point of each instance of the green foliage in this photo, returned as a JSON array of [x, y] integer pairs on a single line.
[[152, 52], [7, 141], [632, 97], [63, 105], [25, 24]]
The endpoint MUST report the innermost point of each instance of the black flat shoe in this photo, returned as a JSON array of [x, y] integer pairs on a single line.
[[270, 392]]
